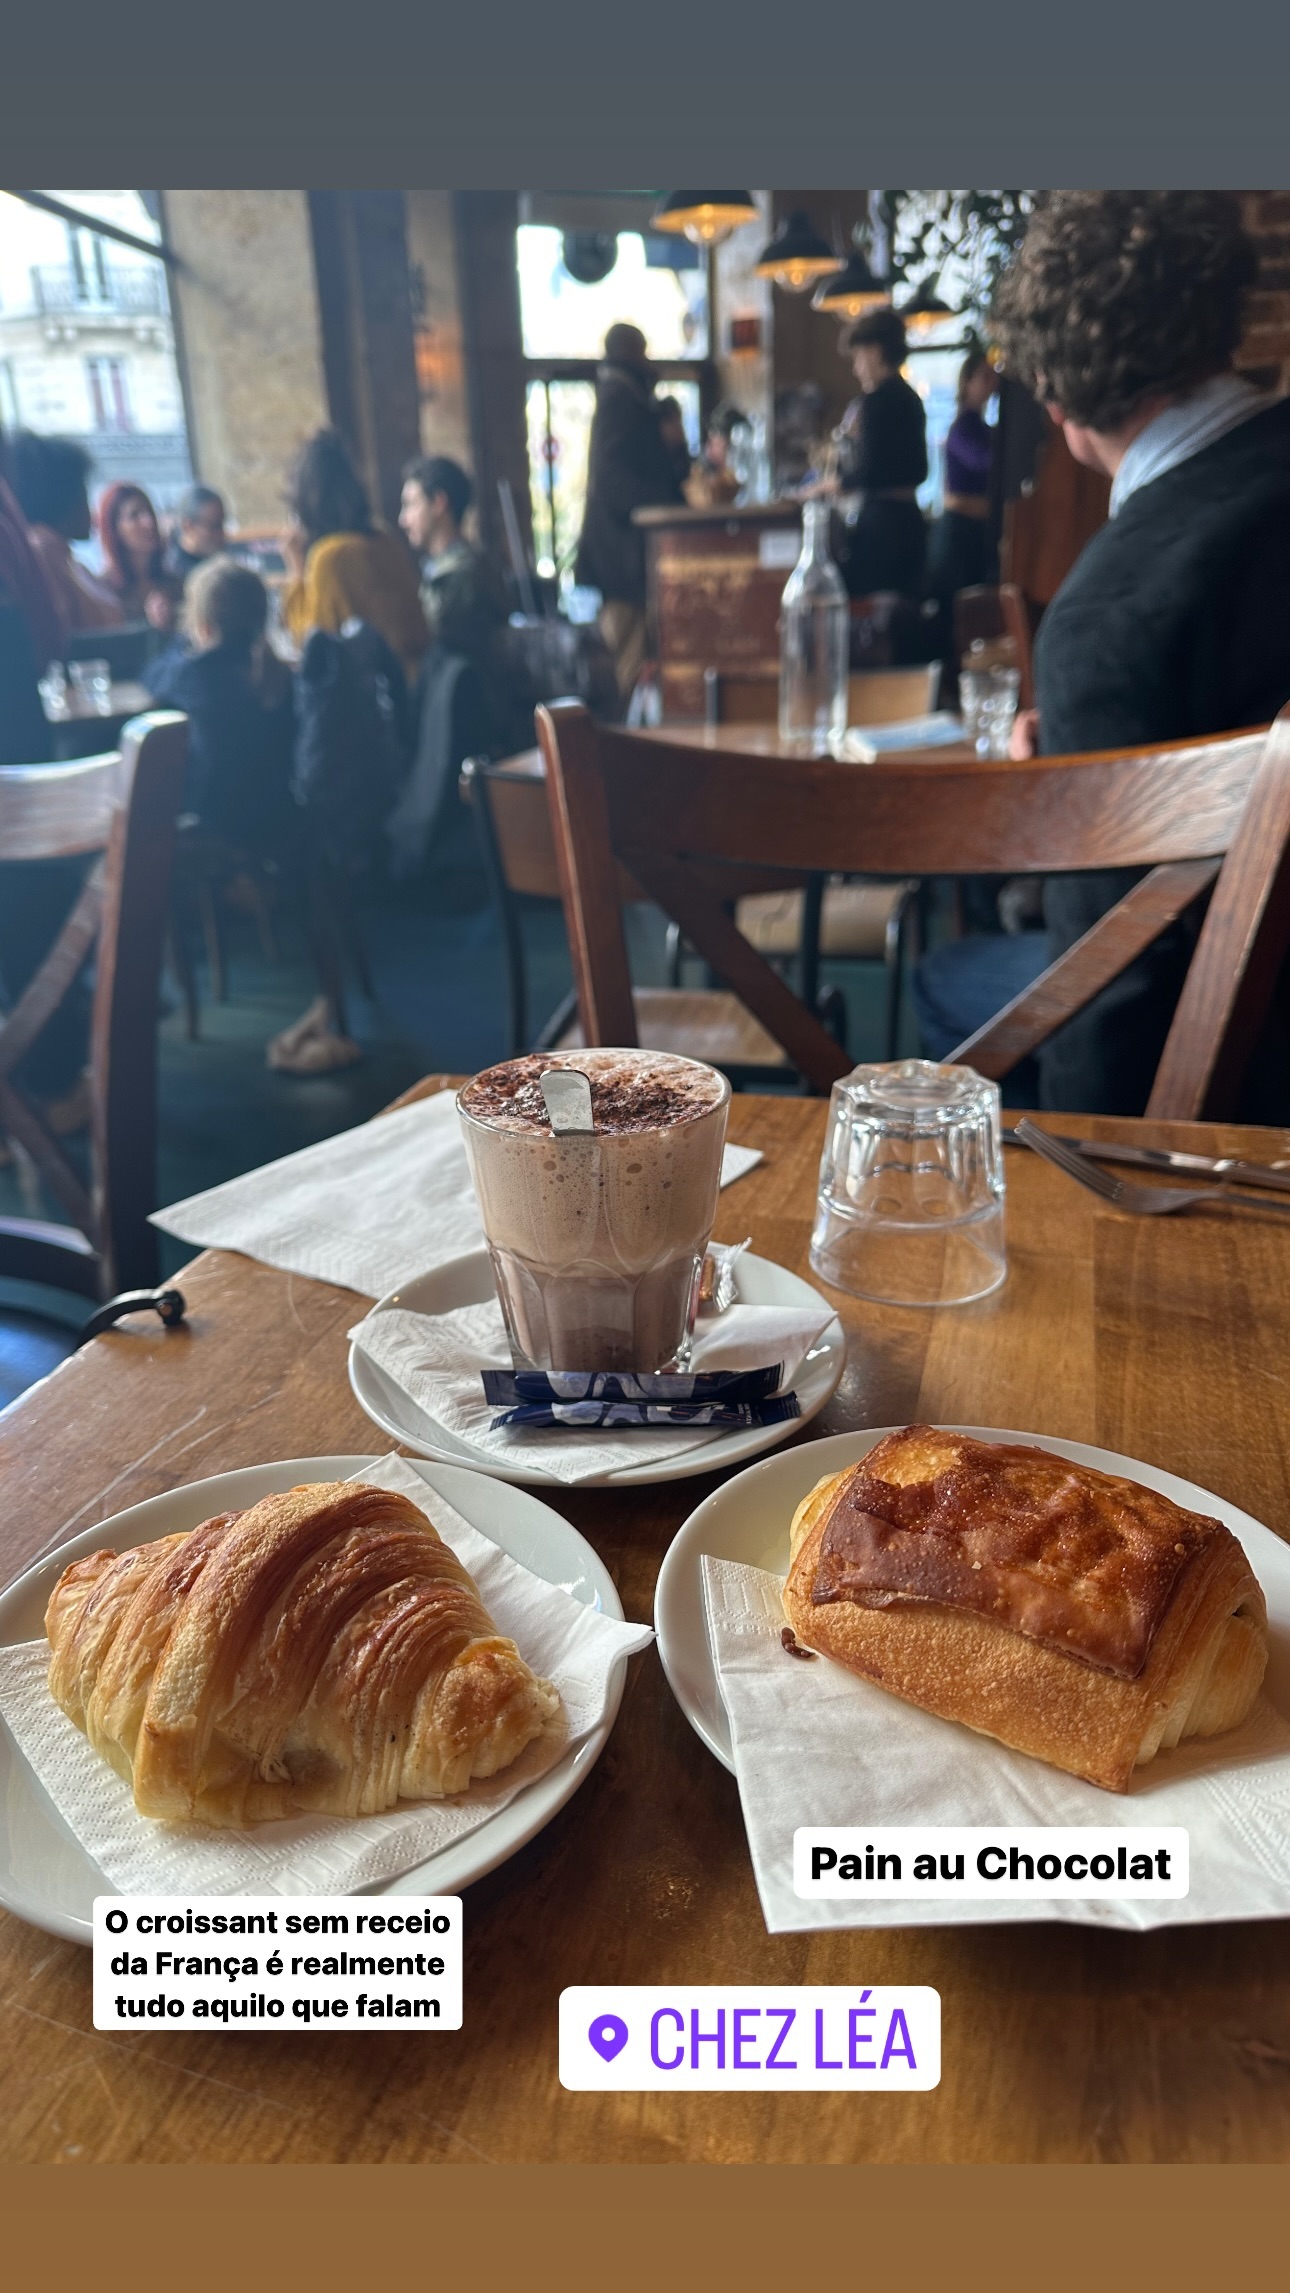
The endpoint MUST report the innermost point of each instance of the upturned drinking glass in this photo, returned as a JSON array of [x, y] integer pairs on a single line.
[[910, 1207], [988, 699]]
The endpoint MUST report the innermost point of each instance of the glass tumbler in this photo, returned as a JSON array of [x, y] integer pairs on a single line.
[[910, 1208], [92, 681], [988, 698]]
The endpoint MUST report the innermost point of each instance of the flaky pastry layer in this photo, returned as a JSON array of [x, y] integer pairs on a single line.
[[322, 1653]]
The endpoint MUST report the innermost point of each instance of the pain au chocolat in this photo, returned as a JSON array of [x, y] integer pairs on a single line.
[[1072, 1614], [324, 1652]]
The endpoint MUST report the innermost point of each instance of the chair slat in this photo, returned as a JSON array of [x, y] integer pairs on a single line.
[[672, 811]]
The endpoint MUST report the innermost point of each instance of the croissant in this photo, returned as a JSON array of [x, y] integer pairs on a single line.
[[1071, 1614], [322, 1653]]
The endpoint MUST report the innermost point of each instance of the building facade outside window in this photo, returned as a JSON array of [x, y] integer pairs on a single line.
[[87, 347]]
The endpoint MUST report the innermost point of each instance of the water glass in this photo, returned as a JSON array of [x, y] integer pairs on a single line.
[[92, 684], [53, 690], [910, 1207], [988, 698]]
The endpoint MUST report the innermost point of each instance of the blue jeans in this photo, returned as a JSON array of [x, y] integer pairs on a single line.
[[959, 986]]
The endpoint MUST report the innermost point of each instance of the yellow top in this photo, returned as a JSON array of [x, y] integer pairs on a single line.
[[363, 577]]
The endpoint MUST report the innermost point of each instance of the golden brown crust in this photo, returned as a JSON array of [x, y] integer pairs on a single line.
[[324, 1652], [1084, 1561], [1200, 1675]]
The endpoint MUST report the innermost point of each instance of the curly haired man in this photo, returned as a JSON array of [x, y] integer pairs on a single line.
[[1123, 312]]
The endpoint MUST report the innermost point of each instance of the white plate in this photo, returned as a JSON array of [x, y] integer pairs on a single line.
[[468, 1281], [748, 1520], [49, 1880]]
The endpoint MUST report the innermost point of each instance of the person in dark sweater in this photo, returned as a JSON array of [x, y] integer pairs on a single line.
[[1123, 311], [884, 459], [629, 467], [238, 701]]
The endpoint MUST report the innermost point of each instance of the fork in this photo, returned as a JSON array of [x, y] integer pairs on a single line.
[[1126, 1194]]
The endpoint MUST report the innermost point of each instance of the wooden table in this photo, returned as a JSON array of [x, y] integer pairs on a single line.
[[1164, 1339], [764, 740]]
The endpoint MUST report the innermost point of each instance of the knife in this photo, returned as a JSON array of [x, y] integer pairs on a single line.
[[1225, 1168]]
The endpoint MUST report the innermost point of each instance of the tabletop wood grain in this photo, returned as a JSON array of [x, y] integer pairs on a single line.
[[1164, 1339]]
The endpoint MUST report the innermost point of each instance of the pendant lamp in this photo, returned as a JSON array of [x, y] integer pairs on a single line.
[[704, 216], [851, 291], [796, 256], [924, 309]]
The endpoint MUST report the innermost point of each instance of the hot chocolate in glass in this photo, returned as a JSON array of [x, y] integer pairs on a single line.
[[598, 1238]]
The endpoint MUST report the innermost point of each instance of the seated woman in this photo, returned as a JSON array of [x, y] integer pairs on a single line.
[[49, 477], [344, 566], [136, 565], [237, 698]]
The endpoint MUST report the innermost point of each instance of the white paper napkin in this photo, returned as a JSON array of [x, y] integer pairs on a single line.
[[815, 1745], [436, 1360], [576, 1647], [368, 1209]]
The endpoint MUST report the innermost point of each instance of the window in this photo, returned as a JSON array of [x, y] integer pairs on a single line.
[[109, 401], [564, 323], [10, 419], [89, 265]]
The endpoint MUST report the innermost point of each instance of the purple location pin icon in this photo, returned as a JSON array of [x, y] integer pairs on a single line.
[[608, 2035]]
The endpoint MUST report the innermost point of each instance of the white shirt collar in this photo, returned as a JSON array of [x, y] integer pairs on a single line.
[[1179, 431]]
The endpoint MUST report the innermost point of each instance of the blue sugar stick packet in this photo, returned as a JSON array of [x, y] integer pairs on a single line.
[[577, 1416], [508, 1386]]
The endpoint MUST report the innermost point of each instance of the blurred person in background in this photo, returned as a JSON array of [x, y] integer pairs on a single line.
[[35, 895], [671, 424], [198, 532], [629, 467], [136, 560], [883, 458], [461, 593], [50, 479], [237, 698], [714, 479], [960, 555], [342, 565]]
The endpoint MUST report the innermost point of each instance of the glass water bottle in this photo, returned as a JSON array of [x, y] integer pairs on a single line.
[[814, 634]]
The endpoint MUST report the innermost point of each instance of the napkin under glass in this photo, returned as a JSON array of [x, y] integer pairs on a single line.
[[368, 1209], [577, 1647], [815, 1746], [436, 1359]]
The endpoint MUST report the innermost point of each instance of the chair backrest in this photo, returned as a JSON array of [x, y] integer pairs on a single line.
[[978, 618], [121, 807], [125, 649], [1020, 621], [677, 810], [514, 813], [874, 696]]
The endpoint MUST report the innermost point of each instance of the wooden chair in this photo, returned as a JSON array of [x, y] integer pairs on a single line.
[[855, 922], [121, 807], [513, 819], [1200, 816], [874, 696]]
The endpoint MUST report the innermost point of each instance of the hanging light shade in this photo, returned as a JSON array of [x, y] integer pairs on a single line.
[[704, 216], [850, 292], [796, 256], [924, 309]]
